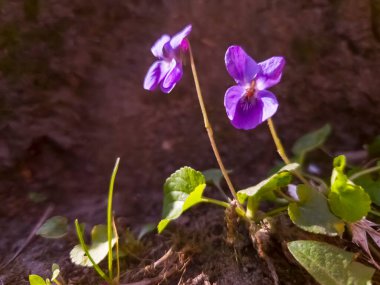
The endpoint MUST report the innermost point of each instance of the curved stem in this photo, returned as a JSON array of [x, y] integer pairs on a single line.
[[225, 196], [284, 196], [215, 202], [109, 218], [316, 179], [374, 212], [117, 251], [85, 249], [364, 172], [281, 150], [208, 127], [277, 142]]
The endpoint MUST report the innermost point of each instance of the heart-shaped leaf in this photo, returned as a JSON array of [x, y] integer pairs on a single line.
[[330, 265], [182, 190], [311, 213], [280, 179], [55, 227], [311, 141], [98, 248], [36, 280], [347, 200]]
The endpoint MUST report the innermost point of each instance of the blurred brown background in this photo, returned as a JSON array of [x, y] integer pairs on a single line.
[[71, 96]]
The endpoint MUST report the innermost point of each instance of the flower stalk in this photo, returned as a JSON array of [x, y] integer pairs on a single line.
[[208, 127], [281, 150]]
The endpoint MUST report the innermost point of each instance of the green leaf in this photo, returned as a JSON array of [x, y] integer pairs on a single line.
[[55, 227], [98, 248], [370, 186], [351, 205], [312, 213], [55, 271], [280, 179], [36, 280], [311, 141], [182, 190], [330, 265], [347, 200]]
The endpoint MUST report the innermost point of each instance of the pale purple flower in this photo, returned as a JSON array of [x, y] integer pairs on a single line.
[[167, 70], [248, 103]]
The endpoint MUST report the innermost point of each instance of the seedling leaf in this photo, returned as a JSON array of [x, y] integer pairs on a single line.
[[311, 141], [280, 179], [55, 227], [347, 200], [36, 280], [55, 271], [182, 190], [311, 213], [98, 248], [330, 265]]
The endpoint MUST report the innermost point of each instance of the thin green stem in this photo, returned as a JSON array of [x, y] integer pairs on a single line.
[[286, 197], [281, 150], [277, 142], [208, 127], [374, 212], [117, 251], [316, 179], [85, 249], [215, 202], [364, 172], [240, 211], [222, 193], [109, 218]]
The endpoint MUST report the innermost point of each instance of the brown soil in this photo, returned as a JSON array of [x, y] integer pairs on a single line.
[[71, 101]]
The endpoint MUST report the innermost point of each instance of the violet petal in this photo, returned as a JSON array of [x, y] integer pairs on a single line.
[[157, 48], [270, 103], [240, 66], [232, 98], [177, 39], [157, 71], [173, 76], [271, 72], [246, 113]]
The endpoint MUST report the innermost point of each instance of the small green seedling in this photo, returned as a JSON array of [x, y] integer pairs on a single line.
[[104, 238], [35, 279]]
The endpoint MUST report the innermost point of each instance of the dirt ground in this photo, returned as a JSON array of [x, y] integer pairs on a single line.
[[71, 101]]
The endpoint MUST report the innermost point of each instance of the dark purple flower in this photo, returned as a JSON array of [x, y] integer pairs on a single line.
[[248, 103], [167, 70]]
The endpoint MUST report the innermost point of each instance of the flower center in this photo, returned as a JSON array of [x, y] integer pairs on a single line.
[[250, 91]]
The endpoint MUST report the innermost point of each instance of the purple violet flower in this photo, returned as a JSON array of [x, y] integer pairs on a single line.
[[167, 70], [248, 103]]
